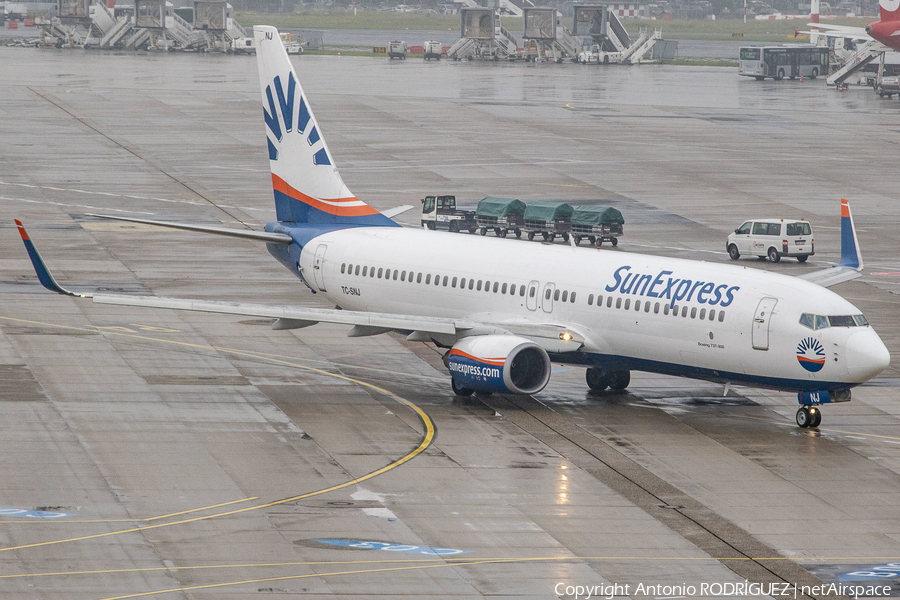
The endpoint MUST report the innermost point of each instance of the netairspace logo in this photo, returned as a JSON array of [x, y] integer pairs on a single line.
[[608, 591]]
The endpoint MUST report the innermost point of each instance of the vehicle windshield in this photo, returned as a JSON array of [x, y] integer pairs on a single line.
[[811, 321], [798, 229], [428, 204]]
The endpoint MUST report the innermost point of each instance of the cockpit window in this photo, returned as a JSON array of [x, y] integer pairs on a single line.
[[822, 322], [808, 320]]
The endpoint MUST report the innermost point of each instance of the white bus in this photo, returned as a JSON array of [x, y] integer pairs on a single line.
[[778, 62]]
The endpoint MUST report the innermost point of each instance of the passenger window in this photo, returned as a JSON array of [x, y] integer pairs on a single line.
[[591, 300], [512, 289], [647, 307], [478, 287], [403, 276], [609, 301], [627, 303], [684, 311], [656, 309], [694, 313], [496, 285], [503, 290], [379, 272], [462, 283], [487, 286], [599, 300], [821, 322], [572, 297], [760, 229], [357, 270], [419, 278], [445, 280], [471, 283], [702, 314], [774, 228], [522, 290], [712, 314], [532, 292], [343, 267], [547, 294], [721, 316], [808, 320], [428, 279], [556, 295], [453, 282], [437, 279], [396, 273], [665, 309], [365, 271], [565, 296], [675, 310], [637, 305]]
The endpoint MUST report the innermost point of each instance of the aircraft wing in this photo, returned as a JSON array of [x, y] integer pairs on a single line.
[[851, 264], [828, 30], [552, 337]]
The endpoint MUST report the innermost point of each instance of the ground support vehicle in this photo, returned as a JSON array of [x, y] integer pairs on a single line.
[[888, 86], [597, 224], [778, 62], [397, 49], [549, 219], [500, 215], [431, 50], [772, 239], [440, 212]]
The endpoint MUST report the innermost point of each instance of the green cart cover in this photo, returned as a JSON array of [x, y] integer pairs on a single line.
[[499, 207], [548, 210], [596, 215]]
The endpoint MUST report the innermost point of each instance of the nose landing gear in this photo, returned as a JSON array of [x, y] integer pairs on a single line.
[[808, 416]]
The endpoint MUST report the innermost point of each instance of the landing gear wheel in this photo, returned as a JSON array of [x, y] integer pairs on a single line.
[[614, 241], [733, 252], [460, 390], [803, 417], [530, 235], [454, 227], [518, 233], [802, 258], [596, 379], [619, 380], [484, 231], [816, 417], [773, 255]]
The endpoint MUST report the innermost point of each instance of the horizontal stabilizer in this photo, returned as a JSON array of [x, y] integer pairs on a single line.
[[397, 210], [260, 236]]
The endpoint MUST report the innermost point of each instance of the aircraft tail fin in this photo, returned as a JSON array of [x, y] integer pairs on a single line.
[[306, 184], [890, 10], [850, 256]]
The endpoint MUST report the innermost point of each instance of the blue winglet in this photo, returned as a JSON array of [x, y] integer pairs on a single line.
[[849, 244], [40, 268]]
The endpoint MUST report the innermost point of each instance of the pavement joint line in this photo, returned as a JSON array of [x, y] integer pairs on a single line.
[[429, 433], [499, 559]]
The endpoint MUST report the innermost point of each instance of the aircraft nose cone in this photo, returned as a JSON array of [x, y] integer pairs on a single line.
[[867, 355]]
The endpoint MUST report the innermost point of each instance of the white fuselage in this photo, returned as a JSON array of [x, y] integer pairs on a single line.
[[639, 330]]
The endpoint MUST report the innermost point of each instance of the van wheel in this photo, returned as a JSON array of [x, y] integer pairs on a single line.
[[802, 259], [733, 252], [773, 255]]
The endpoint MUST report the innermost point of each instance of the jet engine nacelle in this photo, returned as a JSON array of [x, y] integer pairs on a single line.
[[499, 363]]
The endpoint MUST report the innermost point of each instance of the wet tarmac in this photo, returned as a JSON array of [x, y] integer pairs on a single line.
[[169, 454]]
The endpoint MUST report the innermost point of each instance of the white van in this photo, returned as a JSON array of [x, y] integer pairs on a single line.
[[772, 238]]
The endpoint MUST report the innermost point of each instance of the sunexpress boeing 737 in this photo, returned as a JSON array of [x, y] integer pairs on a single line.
[[505, 310]]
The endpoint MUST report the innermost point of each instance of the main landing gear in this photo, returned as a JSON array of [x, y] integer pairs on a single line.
[[809, 416], [599, 379]]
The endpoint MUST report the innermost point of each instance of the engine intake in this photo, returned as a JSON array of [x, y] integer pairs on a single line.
[[499, 363]]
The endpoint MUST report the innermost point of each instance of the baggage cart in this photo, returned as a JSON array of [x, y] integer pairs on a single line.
[[500, 215], [549, 219], [597, 224]]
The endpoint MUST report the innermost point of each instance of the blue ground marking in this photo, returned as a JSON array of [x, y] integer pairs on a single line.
[[34, 514], [885, 571], [427, 550]]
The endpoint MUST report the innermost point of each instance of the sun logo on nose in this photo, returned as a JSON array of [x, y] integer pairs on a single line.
[[811, 354]]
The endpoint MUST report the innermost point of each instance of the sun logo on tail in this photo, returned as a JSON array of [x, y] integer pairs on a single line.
[[280, 123], [811, 355]]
